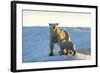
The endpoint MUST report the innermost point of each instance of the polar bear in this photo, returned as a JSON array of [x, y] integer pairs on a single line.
[[57, 35]]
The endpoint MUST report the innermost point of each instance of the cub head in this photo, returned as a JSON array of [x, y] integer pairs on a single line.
[[53, 26]]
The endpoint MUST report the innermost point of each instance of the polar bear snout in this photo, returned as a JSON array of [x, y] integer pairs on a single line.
[[53, 27]]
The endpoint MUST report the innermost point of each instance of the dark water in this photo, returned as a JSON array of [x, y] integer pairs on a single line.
[[35, 44]]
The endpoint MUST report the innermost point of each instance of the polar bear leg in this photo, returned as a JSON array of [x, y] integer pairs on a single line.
[[51, 50]]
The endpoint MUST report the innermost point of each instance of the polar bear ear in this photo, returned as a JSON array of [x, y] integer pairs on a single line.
[[57, 23], [50, 24]]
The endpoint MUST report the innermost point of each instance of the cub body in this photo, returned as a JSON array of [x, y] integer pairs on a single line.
[[68, 48]]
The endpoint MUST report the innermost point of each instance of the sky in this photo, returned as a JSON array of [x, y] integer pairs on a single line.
[[43, 18]]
